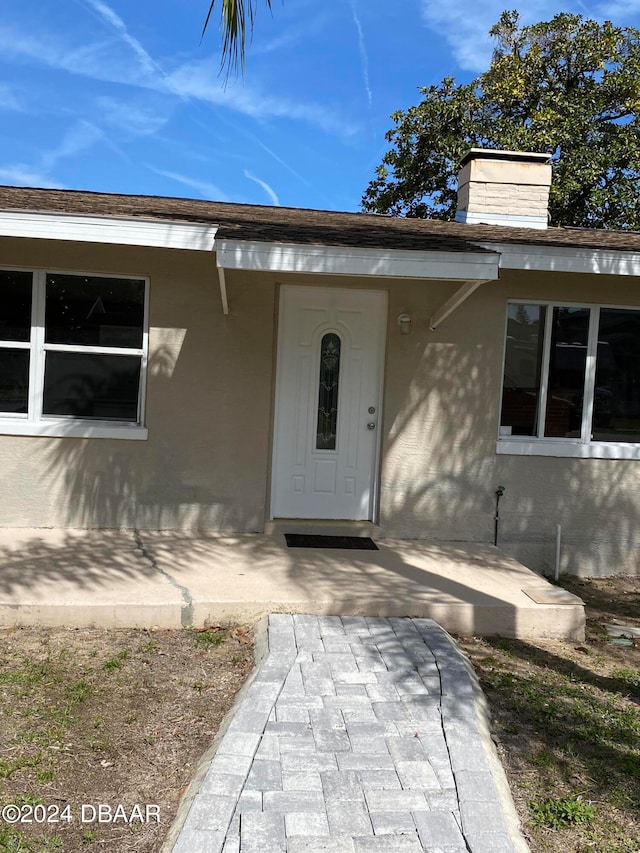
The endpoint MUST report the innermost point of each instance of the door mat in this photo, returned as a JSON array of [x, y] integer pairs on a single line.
[[353, 543]]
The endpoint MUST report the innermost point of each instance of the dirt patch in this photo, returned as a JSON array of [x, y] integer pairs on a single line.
[[566, 718], [97, 718]]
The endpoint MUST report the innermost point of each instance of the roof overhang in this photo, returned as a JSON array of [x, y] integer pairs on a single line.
[[341, 260], [120, 230], [563, 259]]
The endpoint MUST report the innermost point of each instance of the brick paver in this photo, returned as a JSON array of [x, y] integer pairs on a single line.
[[356, 734]]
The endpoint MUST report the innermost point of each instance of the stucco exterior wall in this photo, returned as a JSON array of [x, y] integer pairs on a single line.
[[208, 408], [440, 469], [209, 411]]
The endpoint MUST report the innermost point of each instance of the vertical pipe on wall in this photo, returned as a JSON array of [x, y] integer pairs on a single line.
[[496, 518]]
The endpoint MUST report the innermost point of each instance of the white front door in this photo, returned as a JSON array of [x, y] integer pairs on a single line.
[[328, 390]]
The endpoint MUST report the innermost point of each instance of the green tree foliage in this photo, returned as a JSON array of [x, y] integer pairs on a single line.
[[569, 87]]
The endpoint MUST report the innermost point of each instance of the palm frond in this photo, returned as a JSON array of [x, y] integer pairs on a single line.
[[234, 15]]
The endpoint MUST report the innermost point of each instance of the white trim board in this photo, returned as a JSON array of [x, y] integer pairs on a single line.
[[567, 448], [121, 230], [564, 259], [473, 217], [70, 429], [341, 260]]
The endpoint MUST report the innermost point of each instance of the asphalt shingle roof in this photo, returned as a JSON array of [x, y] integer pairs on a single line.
[[318, 227]]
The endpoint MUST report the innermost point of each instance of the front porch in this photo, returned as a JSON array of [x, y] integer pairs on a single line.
[[168, 580]]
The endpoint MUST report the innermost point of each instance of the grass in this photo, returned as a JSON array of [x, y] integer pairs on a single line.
[[87, 714], [13, 841], [116, 661], [210, 637], [560, 812], [567, 717]]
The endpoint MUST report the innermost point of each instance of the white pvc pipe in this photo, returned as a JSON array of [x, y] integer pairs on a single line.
[[558, 539]]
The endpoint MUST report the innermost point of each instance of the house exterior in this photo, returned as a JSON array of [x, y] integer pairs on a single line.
[[179, 364]]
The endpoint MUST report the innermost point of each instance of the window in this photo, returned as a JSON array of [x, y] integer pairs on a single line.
[[328, 392], [72, 354], [571, 383]]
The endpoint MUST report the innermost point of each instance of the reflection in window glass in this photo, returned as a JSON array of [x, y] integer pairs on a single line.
[[94, 311], [14, 380], [15, 317], [567, 366], [523, 362], [616, 404], [85, 385], [328, 392]]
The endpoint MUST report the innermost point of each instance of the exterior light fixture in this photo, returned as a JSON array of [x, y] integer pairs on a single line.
[[404, 321]]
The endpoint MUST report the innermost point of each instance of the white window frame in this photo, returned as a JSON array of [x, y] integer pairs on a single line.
[[578, 448], [37, 423]]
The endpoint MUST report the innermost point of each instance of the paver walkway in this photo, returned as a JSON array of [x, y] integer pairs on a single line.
[[357, 734]]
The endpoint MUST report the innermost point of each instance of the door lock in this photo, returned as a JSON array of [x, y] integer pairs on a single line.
[[372, 410]]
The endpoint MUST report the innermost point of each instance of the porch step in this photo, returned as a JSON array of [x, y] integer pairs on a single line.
[[164, 579]]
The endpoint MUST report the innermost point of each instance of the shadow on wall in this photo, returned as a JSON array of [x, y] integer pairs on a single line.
[[437, 476], [441, 471], [596, 502], [170, 481]]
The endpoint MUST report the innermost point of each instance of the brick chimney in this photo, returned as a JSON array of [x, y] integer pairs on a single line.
[[504, 188]]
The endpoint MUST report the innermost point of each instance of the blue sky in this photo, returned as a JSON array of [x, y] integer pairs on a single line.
[[121, 95]]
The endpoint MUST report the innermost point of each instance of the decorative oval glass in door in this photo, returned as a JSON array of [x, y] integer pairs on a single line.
[[328, 392]]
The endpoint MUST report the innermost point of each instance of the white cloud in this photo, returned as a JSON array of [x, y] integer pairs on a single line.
[[206, 190], [116, 22], [96, 60], [132, 118], [309, 22], [200, 81], [465, 25], [9, 99], [193, 80], [364, 58], [621, 12], [21, 175], [80, 136], [265, 186]]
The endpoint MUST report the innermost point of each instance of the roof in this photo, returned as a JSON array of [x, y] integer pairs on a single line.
[[259, 223]]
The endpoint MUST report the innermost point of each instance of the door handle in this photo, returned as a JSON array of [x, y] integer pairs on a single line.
[[371, 425]]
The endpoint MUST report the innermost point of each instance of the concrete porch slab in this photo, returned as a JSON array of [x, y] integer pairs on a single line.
[[141, 579]]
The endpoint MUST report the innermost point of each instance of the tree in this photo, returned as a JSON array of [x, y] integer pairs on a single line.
[[569, 87], [233, 23]]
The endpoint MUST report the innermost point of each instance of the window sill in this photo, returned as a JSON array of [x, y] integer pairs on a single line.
[[568, 448], [73, 429]]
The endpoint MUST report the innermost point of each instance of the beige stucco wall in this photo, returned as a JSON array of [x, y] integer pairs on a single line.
[[205, 465], [440, 468]]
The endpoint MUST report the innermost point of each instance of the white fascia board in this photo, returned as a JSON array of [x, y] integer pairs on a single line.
[[120, 230], [340, 260], [561, 259]]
